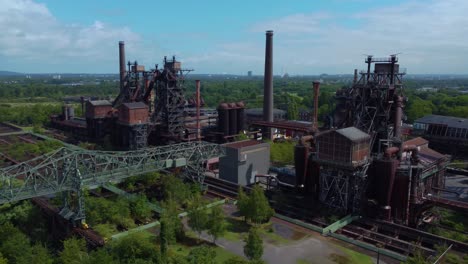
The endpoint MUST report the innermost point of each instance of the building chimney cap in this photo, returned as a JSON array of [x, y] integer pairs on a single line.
[[121, 42], [269, 32]]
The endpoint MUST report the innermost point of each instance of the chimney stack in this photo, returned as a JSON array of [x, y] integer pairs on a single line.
[[122, 64], [316, 86], [355, 76], [197, 85], [268, 81]]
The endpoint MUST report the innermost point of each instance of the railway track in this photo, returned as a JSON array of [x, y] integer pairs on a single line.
[[394, 237]]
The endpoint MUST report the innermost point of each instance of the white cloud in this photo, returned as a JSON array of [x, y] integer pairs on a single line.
[[32, 36], [431, 35]]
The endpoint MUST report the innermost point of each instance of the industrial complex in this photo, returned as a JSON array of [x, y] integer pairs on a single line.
[[357, 165]]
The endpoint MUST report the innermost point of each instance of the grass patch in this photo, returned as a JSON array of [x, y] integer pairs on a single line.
[[191, 240], [106, 230], [352, 257], [302, 261]]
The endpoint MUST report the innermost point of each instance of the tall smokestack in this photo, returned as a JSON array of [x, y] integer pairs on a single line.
[[197, 84], [355, 76], [268, 81], [316, 86], [122, 64]]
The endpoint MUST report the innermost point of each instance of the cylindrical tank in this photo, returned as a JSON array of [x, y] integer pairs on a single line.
[[71, 112], [240, 116], [65, 112], [300, 156], [223, 118], [233, 119]]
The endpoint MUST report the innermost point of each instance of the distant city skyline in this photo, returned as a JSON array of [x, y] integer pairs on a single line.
[[310, 37]]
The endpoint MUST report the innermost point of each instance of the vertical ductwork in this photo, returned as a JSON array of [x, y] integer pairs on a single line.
[[197, 85], [398, 116], [316, 86], [122, 69], [268, 81]]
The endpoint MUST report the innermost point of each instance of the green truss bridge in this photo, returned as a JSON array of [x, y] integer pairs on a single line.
[[72, 170]]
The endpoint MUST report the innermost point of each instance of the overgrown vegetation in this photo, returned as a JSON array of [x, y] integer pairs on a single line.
[[282, 153]]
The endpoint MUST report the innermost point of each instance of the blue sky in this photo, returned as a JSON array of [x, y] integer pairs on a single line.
[[311, 37]]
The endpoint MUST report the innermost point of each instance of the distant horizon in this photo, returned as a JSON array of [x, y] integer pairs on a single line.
[[194, 73], [310, 38]]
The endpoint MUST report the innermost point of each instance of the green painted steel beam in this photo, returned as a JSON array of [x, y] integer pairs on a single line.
[[137, 229], [358, 243], [300, 223], [339, 224], [370, 247], [70, 169]]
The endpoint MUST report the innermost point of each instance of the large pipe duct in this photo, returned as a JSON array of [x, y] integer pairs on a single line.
[[398, 117], [316, 85], [122, 64], [268, 81]]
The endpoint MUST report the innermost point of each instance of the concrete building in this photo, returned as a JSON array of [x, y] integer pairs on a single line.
[[244, 160], [445, 133]]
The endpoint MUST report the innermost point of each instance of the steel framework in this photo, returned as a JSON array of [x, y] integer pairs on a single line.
[[72, 170], [169, 100], [369, 104], [342, 189]]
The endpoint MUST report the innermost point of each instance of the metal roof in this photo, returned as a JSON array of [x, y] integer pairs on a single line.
[[353, 134], [243, 144], [100, 103], [450, 121], [135, 105], [259, 111]]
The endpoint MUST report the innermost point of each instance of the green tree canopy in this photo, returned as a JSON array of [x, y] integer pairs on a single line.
[[197, 214], [216, 224], [253, 248]]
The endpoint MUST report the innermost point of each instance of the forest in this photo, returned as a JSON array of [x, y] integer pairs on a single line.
[[29, 102]]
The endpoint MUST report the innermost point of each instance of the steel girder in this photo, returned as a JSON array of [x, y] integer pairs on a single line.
[[71, 170]]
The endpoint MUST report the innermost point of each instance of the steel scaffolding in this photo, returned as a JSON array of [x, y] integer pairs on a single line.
[[72, 170]]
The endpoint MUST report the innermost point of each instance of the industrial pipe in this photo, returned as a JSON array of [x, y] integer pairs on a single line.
[[122, 64], [197, 85], [398, 117], [316, 85], [389, 152], [414, 152]]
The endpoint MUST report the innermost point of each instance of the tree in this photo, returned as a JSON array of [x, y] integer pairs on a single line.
[[253, 248], [202, 255], [198, 217], [236, 260], [163, 234], [173, 228], [216, 224], [101, 256], [243, 203], [140, 208], [293, 112], [135, 247], [74, 251], [260, 210]]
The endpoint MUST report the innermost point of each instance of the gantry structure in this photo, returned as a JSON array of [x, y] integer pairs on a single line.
[[69, 170], [370, 105]]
